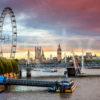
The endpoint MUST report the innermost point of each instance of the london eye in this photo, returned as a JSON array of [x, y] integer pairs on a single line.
[[8, 11]]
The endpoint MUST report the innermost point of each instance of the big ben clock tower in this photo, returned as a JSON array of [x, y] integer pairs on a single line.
[[59, 53]]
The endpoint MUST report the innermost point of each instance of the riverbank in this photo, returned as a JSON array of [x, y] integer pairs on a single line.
[[7, 75], [10, 75]]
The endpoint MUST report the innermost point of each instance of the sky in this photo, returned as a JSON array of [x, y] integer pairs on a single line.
[[74, 24]]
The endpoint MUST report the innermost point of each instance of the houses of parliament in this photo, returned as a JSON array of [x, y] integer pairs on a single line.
[[40, 57]]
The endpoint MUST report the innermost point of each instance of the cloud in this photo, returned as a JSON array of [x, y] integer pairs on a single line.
[[80, 16], [50, 22]]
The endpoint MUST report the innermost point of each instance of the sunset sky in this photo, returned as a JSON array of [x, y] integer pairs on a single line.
[[75, 24]]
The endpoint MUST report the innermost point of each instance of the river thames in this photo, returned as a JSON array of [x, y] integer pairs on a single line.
[[88, 89]]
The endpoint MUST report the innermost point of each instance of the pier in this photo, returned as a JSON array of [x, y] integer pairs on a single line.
[[63, 86]]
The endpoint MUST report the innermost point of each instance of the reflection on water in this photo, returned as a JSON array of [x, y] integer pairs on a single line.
[[88, 89], [26, 89]]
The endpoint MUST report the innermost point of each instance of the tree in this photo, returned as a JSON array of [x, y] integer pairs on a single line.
[[1, 68], [14, 65], [8, 65]]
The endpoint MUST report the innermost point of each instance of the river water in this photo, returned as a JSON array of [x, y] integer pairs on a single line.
[[87, 89]]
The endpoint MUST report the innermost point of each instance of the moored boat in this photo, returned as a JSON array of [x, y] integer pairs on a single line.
[[64, 87]]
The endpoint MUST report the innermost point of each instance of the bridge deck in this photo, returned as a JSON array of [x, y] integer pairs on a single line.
[[31, 82]]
